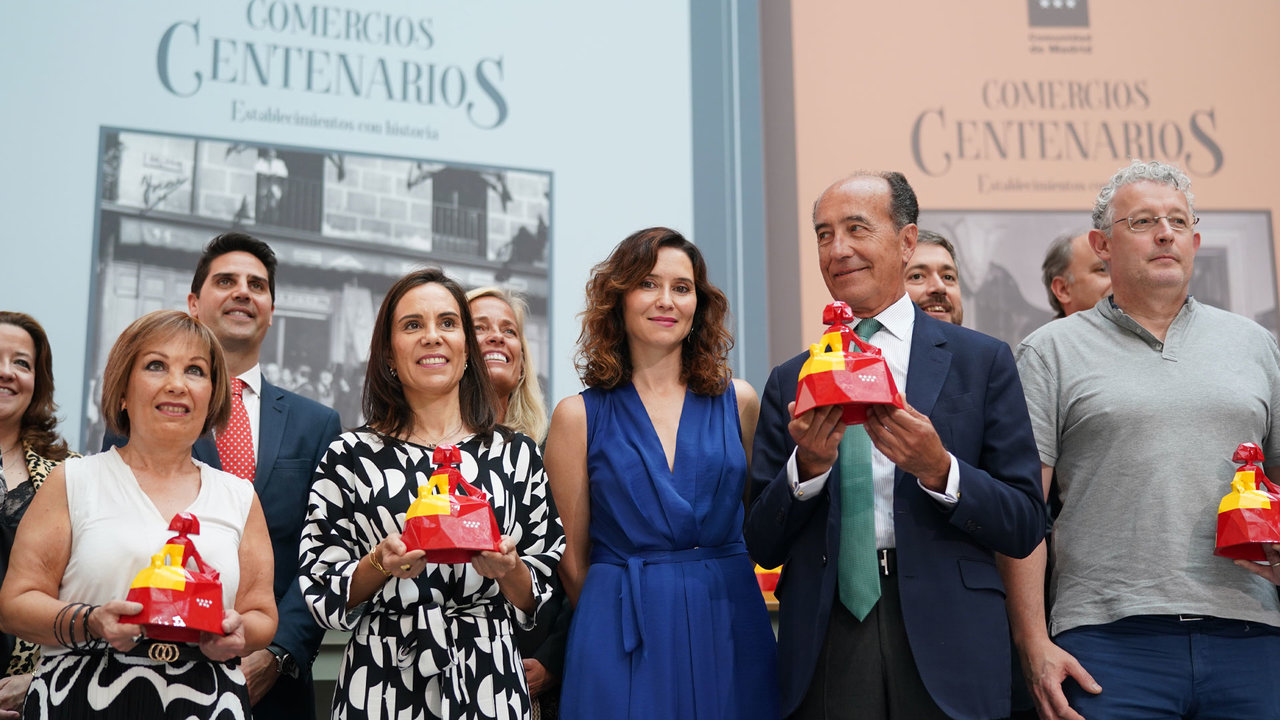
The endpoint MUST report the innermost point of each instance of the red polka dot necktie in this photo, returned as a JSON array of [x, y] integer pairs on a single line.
[[235, 444]]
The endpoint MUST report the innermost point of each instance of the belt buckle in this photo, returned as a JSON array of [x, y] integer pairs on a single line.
[[884, 565], [1190, 618], [163, 652]]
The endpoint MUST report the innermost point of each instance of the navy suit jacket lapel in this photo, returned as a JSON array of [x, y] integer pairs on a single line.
[[929, 363], [271, 416]]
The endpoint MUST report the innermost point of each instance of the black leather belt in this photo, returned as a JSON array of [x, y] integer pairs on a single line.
[[173, 652], [167, 652], [887, 561]]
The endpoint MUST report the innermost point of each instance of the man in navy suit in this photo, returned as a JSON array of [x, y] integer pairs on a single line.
[[233, 293], [953, 477]]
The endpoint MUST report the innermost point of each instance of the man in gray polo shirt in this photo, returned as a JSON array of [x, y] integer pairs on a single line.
[[1138, 404]]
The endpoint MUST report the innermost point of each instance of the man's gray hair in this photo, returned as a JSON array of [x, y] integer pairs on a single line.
[[1138, 171], [904, 208], [1057, 263]]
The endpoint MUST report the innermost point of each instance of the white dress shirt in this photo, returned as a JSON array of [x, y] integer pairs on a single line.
[[894, 340]]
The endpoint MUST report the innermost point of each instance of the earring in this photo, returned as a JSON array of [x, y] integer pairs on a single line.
[[393, 372]]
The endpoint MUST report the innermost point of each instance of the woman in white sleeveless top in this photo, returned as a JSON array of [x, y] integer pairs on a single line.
[[97, 522]]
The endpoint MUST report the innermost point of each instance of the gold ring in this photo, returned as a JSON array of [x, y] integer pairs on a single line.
[[405, 566]]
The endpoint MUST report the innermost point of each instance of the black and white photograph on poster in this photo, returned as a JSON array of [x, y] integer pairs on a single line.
[[1000, 253], [344, 227]]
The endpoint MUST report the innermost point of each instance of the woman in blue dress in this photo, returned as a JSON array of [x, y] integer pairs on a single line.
[[648, 468]]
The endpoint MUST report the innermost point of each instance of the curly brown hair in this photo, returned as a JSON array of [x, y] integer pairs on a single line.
[[604, 357], [39, 425]]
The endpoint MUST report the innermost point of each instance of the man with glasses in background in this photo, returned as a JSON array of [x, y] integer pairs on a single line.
[[1139, 403]]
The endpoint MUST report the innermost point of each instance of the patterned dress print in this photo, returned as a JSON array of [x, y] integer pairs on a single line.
[[110, 686], [13, 505], [439, 645]]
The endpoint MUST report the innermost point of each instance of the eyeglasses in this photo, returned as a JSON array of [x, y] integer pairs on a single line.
[[1144, 223]]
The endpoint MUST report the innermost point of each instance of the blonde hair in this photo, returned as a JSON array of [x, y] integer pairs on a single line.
[[526, 410]]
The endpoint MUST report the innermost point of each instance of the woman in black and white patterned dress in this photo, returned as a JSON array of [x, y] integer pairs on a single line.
[[428, 640]]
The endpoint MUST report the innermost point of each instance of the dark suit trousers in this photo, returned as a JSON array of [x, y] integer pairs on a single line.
[[865, 669]]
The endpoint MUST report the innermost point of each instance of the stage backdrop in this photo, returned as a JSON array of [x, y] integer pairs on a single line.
[[1007, 120], [513, 143]]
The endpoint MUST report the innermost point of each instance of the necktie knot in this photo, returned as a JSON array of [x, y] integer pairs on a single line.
[[867, 327], [237, 387]]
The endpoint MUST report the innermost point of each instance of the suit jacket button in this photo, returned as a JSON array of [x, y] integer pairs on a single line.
[[824, 559], [971, 526]]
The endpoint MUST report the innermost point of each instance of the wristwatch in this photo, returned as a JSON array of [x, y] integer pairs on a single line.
[[285, 664]]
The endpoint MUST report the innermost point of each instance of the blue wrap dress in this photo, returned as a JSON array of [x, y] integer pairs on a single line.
[[670, 622]]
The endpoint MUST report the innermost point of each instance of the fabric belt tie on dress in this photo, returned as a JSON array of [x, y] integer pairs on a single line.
[[633, 582], [424, 637]]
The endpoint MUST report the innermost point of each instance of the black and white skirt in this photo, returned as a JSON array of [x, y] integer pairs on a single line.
[[109, 686]]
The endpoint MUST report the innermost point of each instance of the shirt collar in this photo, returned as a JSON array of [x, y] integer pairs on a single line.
[[1168, 347], [899, 318], [253, 379]]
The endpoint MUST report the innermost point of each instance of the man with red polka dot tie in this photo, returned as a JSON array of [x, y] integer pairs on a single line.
[[275, 438]]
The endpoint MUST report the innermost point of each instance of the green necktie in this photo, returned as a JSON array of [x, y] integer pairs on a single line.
[[859, 579]]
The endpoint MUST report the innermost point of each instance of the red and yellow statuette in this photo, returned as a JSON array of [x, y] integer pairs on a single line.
[[844, 369], [449, 526], [181, 595], [1249, 515]]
